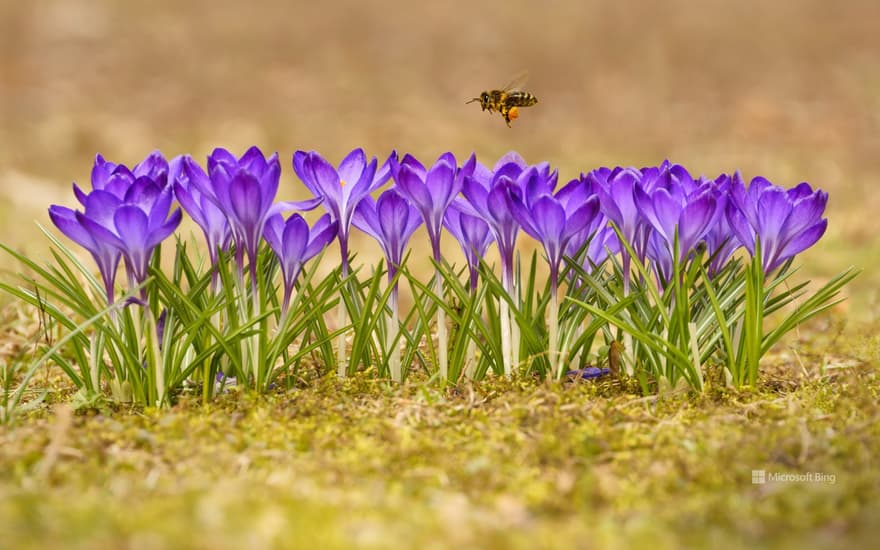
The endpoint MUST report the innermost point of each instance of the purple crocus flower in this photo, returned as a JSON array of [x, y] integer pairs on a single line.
[[154, 167], [598, 237], [787, 222], [135, 225], [486, 193], [487, 198], [676, 205], [125, 215], [587, 373], [604, 242], [514, 162], [201, 208], [244, 189], [294, 244], [721, 241], [432, 191], [107, 176], [117, 178], [391, 220], [343, 188], [106, 255], [553, 220], [472, 234], [616, 190]]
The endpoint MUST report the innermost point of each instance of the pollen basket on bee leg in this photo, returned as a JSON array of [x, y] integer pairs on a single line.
[[513, 114]]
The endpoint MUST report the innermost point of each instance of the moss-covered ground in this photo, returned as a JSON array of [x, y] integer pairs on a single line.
[[500, 464]]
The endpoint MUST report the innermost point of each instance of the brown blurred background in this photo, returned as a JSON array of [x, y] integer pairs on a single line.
[[787, 89]]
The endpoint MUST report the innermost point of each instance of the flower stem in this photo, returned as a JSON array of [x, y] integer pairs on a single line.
[[341, 313], [470, 360], [154, 358], [627, 337], [553, 329], [514, 326], [391, 344], [340, 340], [95, 358], [504, 311], [442, 337]]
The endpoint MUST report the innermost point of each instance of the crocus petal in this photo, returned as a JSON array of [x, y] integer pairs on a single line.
[[294, 239], [269, 182], [509, 171], [741, 227], [665, 214], [477, 196], [159, 211], [802, 241], [100, 207], [523, 215], [119, 182], [143, 193], [694, 221], [410, 161], [193, 208], [414, 188], [573, 195], [352, 166], [366, 219], [327, 182], [80, 194], [773, 211], [805, 211], [383, 173], [304, 174], [394, 213], [363, 186], [155, 167], [496, 202], [65, 220], [254, 161], [273, 232], [550, 221], [163, 231], [582, 218], [322, 234], [301, 206], [511, 158], [440, 183], [246, 195], [101, 171], [132, 228]]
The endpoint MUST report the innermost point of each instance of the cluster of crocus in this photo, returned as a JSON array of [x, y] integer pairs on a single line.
[[125, 215], [661, 216], [664, 213]]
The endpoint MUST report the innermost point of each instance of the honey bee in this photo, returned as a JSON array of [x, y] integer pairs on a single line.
[[507, 100]]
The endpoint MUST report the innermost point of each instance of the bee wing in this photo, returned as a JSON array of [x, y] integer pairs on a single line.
[[517, 81]]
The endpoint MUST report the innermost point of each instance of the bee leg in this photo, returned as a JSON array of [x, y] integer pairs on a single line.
[[505, 112]]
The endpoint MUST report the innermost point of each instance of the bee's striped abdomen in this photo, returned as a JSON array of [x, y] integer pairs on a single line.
[[521, 99]]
